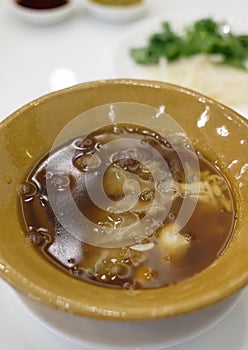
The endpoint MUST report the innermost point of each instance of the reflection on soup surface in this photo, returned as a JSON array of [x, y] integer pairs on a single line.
[[117, 183]]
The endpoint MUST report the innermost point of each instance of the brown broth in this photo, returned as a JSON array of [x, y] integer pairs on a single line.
[[203, 238]]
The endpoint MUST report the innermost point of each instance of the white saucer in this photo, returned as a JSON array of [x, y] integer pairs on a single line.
[[152, 335], [43, 17], [117, 13]]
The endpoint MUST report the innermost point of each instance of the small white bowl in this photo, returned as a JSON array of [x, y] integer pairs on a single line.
[[117, 13], [43, 17]]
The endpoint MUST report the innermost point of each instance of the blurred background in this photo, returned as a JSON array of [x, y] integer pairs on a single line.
[[41, 52]]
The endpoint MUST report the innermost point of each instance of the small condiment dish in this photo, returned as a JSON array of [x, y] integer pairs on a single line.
[[119, 13], [43, 16]]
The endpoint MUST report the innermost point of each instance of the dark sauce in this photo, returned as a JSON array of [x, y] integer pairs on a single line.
[[41, 4], [200, 241]]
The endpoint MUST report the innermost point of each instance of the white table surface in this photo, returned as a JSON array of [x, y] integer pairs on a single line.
[[32, 61]]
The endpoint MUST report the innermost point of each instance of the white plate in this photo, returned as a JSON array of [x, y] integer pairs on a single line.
[[125, 67], [43, 17], [117, 13]]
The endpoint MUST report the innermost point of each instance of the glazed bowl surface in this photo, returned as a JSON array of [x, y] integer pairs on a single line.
[[219, 133]]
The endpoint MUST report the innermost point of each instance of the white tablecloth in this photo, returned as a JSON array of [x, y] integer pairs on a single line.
[[35, 60]]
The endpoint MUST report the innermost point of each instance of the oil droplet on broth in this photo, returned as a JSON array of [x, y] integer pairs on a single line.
[[147, 195], [60, 181], [88, 162], [36, 239], [28, 189]]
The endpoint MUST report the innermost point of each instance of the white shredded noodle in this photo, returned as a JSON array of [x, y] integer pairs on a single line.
[[202, 73]]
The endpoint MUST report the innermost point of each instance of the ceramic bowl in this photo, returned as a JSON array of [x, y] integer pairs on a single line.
[[29, 133], [43, 17]]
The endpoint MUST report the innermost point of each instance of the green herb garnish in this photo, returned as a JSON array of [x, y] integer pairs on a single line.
[[205, 36]]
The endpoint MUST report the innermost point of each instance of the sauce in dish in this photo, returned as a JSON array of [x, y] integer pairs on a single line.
[[41, 4], [167, 252], [117, 2]]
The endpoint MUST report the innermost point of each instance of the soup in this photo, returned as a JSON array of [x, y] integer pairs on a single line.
[[134, 168]]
